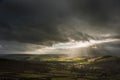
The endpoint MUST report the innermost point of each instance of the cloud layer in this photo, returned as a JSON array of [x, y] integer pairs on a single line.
[[46, 21]]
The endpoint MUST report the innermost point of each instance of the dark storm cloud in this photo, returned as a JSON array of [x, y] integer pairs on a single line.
[[13, 47], [105, 13], [36, 21], [31, 20]]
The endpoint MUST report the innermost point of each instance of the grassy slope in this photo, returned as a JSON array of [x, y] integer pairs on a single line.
[[45, 66]]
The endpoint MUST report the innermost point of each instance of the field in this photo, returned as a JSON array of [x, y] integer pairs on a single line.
[[59, 67]]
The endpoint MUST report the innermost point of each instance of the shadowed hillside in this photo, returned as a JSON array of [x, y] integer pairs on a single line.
[[7, 65], [59, 67]]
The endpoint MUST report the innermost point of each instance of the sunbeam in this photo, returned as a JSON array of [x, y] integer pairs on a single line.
[[70, 47]]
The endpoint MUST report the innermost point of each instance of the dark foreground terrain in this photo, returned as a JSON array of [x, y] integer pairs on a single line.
[[60, 68]]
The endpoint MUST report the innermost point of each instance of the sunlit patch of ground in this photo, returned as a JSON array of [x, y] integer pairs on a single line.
[[63, 59]]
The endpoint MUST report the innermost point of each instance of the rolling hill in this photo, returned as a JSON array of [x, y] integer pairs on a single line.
[[59, 67]]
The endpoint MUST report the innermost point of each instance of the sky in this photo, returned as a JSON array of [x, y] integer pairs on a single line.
[[45, 22]]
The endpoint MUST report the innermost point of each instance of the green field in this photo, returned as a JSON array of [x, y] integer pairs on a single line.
[[61, 68]]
